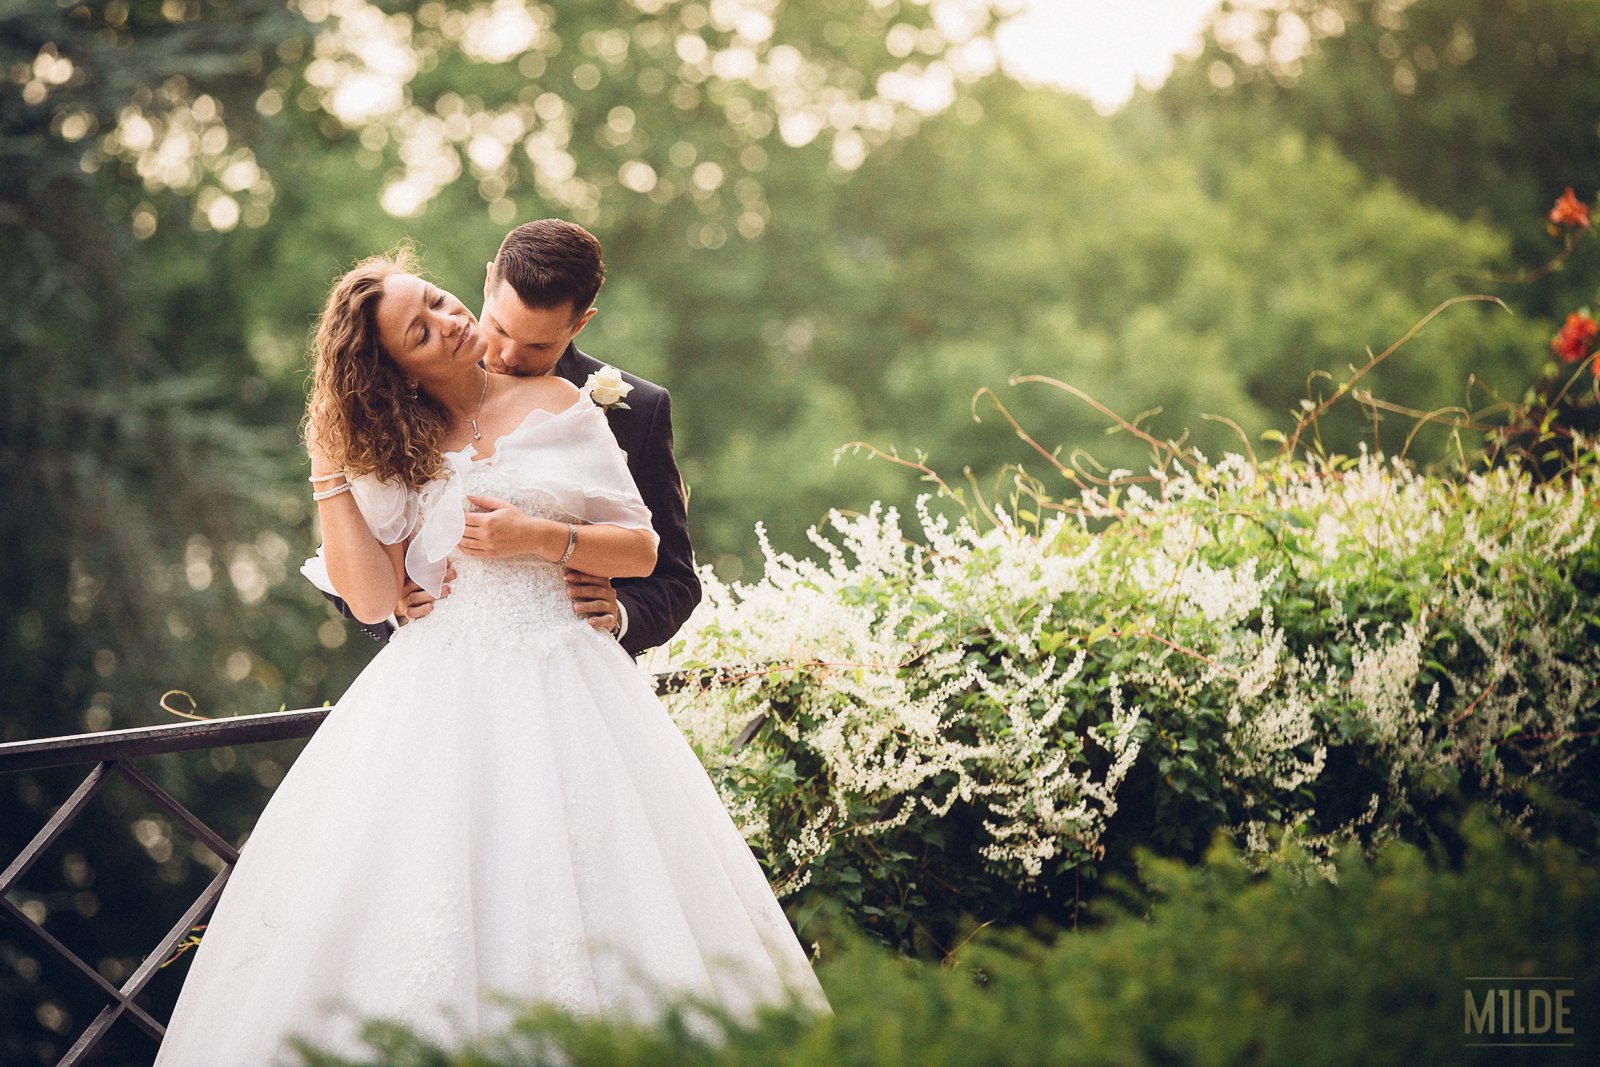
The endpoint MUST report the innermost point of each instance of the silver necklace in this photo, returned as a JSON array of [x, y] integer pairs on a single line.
[[477, 435]]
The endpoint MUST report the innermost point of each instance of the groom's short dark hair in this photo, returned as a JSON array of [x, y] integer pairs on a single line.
[[551, 262]]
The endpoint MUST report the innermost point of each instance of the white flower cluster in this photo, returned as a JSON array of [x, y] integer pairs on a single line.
[[1272, 614]]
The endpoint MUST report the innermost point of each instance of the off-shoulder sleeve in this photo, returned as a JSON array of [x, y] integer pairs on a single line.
[[390, 508], [595, 468]]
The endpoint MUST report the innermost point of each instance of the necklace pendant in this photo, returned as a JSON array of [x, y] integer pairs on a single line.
[[477, 434]]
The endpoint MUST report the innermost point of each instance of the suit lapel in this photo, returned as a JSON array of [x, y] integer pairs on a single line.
[[574, 366]]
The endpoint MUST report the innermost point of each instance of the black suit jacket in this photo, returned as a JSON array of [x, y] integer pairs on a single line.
[[658, 605]]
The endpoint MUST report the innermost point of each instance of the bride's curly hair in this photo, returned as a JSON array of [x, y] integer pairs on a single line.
[[365, 413]]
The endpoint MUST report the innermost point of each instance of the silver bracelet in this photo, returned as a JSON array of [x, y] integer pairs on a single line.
[[342, 487], [572, 542]]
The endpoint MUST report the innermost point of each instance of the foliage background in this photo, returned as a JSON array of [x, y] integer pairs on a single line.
[[981, 721], [846, 223], [1213, 966]]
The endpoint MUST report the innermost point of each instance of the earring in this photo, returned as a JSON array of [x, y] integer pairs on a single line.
[[413, 387]]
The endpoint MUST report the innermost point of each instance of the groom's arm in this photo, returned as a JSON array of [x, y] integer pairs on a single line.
[[378, 631], [656, 607]]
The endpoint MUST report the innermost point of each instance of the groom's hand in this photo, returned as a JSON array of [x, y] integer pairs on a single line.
[[593, 600], [415, 601]]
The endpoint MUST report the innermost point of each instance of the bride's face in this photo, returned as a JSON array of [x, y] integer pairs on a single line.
[[426, 331]]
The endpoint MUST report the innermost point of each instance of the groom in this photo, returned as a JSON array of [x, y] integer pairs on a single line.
[[537, 297]]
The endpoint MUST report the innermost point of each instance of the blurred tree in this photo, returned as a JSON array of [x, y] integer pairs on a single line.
[[599, 110], [148, 146], [128, 468], [109, 431], [1482, 108], [1020, 232]]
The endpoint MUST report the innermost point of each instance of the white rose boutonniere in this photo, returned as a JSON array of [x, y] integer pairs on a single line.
[[607, 388]]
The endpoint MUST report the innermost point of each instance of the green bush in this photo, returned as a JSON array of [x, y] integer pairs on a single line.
[[1229, 968], [987, 715]]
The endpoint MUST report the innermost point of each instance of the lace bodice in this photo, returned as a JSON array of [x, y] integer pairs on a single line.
[[562, 465], [519, 593]]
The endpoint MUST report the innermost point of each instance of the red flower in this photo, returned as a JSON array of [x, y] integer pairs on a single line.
[[1572, 343], [1569, 211]]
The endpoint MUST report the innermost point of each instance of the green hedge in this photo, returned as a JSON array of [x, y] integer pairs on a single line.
[[1229, 968], [987, 715]]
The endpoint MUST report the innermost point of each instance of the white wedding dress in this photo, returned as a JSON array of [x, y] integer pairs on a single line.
[[498, 805]]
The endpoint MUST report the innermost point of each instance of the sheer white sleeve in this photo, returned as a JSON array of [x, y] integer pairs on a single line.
[[390, 508], [592, 477]]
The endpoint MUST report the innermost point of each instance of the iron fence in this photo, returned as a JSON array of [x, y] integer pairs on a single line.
[[112, 752]]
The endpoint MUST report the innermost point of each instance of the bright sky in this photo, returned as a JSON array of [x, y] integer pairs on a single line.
[[1100, 47]]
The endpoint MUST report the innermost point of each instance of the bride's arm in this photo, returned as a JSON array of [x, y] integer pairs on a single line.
[[601, 548], [367, 574]]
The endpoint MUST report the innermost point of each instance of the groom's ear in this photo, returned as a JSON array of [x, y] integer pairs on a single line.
[[488, 278], [587, 315]]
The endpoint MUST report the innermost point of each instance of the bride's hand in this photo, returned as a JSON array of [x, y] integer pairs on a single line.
[[501, 529], [415, 601]]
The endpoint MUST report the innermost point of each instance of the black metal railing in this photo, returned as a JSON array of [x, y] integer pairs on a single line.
[[111, 752]]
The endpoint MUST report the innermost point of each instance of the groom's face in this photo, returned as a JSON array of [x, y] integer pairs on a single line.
[[521, 340]]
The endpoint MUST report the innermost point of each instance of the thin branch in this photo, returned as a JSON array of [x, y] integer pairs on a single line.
[[193, 706], [1060, 467], [1158, 446], [1311, 416], [1243, 437]]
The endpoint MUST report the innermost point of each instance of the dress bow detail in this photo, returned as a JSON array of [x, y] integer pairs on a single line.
[[444, 521]]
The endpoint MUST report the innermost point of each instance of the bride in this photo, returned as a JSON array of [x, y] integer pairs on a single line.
[[498, 810]]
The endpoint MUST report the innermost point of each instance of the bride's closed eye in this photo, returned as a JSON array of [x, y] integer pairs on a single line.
[[437, 300]]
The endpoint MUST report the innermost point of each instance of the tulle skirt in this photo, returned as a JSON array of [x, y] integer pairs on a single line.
[[485, 815]]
